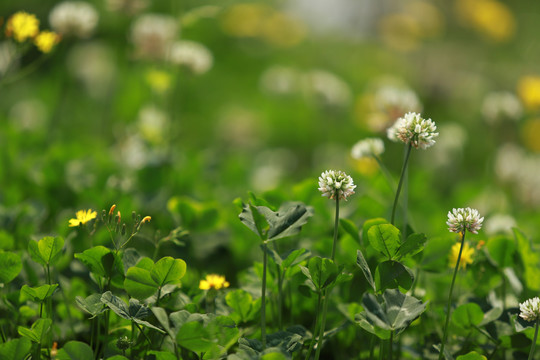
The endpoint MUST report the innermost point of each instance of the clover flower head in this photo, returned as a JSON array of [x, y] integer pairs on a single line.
[[192, 55], [74, 18], [83, 216], [461, 219], [466, 255], [332, 182], [530, 309], [213, 281], [413, 129], [367, 147], [22, 26]]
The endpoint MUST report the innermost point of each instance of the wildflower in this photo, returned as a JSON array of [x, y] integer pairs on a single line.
[[111, 210], [75, 18], [193, 55], [466, 256], [54, 350], [159, 81], [83, 216], [327, 88], [213, 281], [332, 182], [22, 26], [461, 219], [153, 35], [528, 89], [367, 147], [504, 105], [530, 309], [146, 219], [46, 40], [413, 129], [499, 223]]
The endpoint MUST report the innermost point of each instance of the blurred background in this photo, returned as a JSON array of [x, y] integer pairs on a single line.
[[176, 108]]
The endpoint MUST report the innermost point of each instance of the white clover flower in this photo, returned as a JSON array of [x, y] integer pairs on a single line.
[[530, 309], [367, 147], [498, 106], [74, 18], [332, 182], [192, 55], [153, 35], [327, 88], [413, 129], [499, 223], [392, 99], [461, 219]]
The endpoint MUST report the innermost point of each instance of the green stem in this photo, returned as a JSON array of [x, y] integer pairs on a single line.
[[372, 347], [263, 298], [445, 333], [315, 323], [336, 226], [407, 155], [2, 333], [390, 347], [280, 299], [132, 345], [531, 354]]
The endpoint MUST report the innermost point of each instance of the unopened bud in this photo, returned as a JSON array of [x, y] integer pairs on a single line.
[[124, 229], [111, 211], [123, 343], [146, 219], [133, 215]]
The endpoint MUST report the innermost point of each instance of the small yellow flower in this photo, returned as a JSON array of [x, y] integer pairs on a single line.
[[528, 89], [466, 255], [22, 26], [213, 281], [46, 40], [83, 216], [159, 81], [146, 219]]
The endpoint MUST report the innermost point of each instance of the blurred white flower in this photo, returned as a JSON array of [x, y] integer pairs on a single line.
[[327, 88], [396, 100], [133, 152], [450, 143], [192, 55], [129, 7], [367, 147], [413, 129], [153, 124], [29, 114], [530, 309], [333, 182], [74, 18], [461, 219], [93, 64], [280, 80], [8, 53], [499, 106], [499, 223], [153, 35], [271, 166]]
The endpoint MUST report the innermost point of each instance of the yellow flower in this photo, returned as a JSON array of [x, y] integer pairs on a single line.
[[466, 255], [528, 90], [22, 26], [213, 281], [45, 41], [529, 134], [491, 18], [159, 81], [83, 216]]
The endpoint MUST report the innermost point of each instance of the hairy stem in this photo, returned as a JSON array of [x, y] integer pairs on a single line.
[[400, 184]]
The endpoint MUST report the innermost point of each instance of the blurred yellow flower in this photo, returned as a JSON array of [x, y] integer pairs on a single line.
[[366, 166], [491, 18], [159, 81], [22, 26], [466, 255], [528, 89], [83, 216], [46, 40], [213, 281], [529, 134], [283, 31]]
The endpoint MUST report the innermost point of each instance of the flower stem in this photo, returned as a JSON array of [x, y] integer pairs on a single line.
[[405, 162], [314, 337], [326, 292], [263, 298], [390, 347], [445, 333], [531, 354]]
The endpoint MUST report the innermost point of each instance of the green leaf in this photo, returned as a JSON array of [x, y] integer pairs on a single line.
[[37, 294], [168, 271], [435, 254], [392, 274], [501, 251], [491, 315], [385, 238], [193, 336], [96, 259], [115, 304], [468, 315], [412, 246], [17, 349], [92, 304], [530, 259], [117, 357], [351, 229], [295, 257], [10, 266], [242, 302], [254, 220], [35, 333], [368, 224], [322, 272], [160, 355], [75, 350], [394, 313], [46, 251], [139, 283], [473, 355], [362, 264]]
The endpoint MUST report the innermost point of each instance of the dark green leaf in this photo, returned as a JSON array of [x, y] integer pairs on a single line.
[[530, 260], [501, 251], [10, 266], [385, 238], [94, 259], [92, 304], [16, 349], [412, 246], [392, 274], [351, 229], [193, 336], [115, 304], [468, 315], [361, 262], [75, 350], [288, 220], [254, 220]]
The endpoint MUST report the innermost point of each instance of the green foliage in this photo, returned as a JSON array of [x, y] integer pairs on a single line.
[[37, 331], [245, 308], [473, 355], [468, 315], [145, 278], [501, 251], [10, 266], [75, 350], [91, 304], [37, 294], [530, 260], [46, 251], [16, 349], [98, 259]]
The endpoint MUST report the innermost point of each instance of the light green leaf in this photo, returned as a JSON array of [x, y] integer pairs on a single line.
[[193, 336], [160, 355], [241, 301], [385, 238], [530, 260], [473, 355], [501, 251], [75, 350], [139, 283], [37, 294], [168, 271], [92, 304], [96, 260], [412, 246], [17, 349], [468, 315], [362, 264], [10, 266], [35, 333], [46, 251], [351, 229]]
